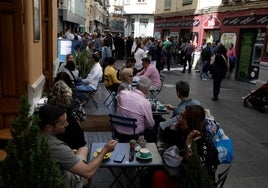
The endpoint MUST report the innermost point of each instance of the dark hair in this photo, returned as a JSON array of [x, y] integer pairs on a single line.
[[221, 50], [49, 114], [146, 59], [70, 65], [183, 88], [195, 117], [64, 77], [111, 60], [96, 57]]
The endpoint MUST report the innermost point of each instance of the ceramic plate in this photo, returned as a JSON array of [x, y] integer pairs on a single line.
[[107, 156], [138, 155]]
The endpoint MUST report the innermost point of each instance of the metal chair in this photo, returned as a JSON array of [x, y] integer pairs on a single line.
[[90, 96], [111, 94], [222, 177], [118, 120], [155, 92]]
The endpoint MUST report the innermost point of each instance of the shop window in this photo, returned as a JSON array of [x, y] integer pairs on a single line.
[[187, 2], [167, 4]]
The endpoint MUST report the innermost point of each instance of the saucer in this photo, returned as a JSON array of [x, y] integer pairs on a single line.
[[138, 155], [107, 156]]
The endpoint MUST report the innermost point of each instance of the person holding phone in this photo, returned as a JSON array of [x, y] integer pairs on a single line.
[[75, 168]]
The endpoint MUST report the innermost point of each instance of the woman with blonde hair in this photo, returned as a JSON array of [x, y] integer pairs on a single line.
[[126, 75], [61, 95]]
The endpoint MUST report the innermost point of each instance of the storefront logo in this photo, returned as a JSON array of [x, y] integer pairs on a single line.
[[212, 22]]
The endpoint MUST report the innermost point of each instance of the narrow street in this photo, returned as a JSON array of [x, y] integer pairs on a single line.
[[246, 126]]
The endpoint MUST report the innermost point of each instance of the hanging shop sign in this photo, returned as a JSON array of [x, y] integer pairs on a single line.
[[245, 20], [181, 23]]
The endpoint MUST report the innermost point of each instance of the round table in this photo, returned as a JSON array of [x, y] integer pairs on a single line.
[[3, 155]]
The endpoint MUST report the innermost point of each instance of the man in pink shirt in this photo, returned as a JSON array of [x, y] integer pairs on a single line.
[[135, 105], [151, 72]]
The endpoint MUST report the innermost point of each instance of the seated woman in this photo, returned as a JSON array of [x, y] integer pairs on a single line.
[[71, 70], [61, 95], [110, 76], [200, 156], [126, 76], [130, 63]]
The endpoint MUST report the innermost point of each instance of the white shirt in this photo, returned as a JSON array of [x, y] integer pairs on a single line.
[[94, 76], [138, 55]]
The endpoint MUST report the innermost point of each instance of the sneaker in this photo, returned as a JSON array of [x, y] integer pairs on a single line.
[[203, 79], [215, 99]]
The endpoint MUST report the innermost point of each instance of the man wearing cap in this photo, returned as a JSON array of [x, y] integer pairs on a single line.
[[150, 71], [134, 104], [76, 169]]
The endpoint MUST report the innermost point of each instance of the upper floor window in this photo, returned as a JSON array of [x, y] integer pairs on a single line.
[[187, 2], [167, 4], [141, 1], [127, 2]]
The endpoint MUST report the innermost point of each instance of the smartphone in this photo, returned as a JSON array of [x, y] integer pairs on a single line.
[[119, 157]]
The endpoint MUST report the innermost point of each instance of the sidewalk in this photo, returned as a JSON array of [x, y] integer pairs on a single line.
[[246, 126]]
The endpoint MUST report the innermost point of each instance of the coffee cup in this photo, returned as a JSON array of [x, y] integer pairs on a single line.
[[145, 153], [161, 107]]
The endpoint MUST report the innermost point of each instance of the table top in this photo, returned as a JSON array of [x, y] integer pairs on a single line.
[[5, 134], [155, 161]]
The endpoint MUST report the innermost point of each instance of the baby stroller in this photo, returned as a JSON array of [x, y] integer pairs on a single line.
[[258, 98]]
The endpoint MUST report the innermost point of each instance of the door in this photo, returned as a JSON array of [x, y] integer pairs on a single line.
[[12, 59]]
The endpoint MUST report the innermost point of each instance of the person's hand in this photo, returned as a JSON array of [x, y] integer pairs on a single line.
[[109, 146], [169, 107], [193, 136]]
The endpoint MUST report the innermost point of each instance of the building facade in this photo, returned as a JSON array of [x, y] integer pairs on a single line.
[[139, 17], [241, 22], [71, 15], [116, 17]]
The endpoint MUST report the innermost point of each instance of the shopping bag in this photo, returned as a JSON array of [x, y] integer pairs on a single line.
[[225, 150]]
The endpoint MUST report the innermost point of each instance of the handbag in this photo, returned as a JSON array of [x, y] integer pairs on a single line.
[[171, 156], [78, 111], [221, 141]]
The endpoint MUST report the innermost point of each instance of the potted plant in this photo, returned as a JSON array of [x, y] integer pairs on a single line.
[[28, 162]]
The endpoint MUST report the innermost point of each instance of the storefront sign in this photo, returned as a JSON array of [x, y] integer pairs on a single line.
[[181, 23], [245, 20]]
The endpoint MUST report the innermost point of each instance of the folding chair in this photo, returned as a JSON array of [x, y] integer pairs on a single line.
[[154, 93], [118, 120], [90, 95], [111, 94], [222, 177]]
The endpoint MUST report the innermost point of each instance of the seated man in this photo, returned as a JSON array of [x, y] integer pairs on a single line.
[[134, 104], [76, 169], [151, 72], [110, 76], [182, 91], [91, 82]]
